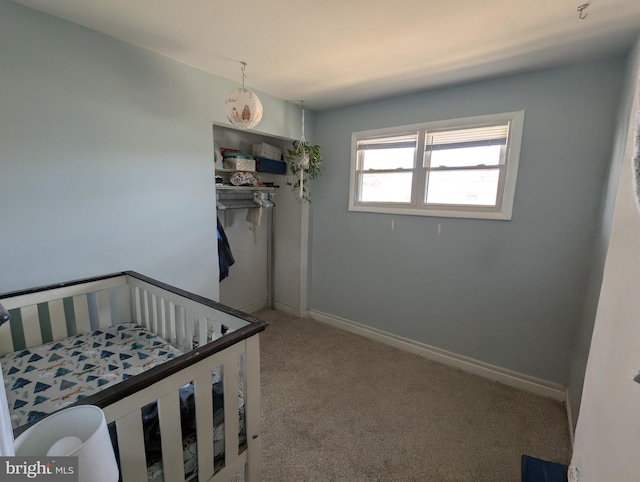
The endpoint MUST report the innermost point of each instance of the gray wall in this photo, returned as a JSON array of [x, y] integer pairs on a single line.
[[583, 340], [508, 293], [105, 159]]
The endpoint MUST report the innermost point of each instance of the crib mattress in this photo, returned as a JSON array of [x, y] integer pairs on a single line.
[[43, 379]]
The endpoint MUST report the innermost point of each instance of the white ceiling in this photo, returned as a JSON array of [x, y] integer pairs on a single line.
[[331, 53]]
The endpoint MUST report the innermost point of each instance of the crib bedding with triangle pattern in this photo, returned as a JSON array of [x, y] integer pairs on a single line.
[[48, 377]]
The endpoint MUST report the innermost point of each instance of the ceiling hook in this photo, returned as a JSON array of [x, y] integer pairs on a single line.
[[582, 13]]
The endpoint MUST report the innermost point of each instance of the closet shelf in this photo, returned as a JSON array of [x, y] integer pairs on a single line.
[[224, 187], [244, 197], [220, 169]]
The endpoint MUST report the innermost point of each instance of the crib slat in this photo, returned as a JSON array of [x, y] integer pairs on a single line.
[[190, 322], [180, 329], [124, 303], [81, 310], [137, 305], [153, 313], [103, 301], [171, 436], [171, 322], [217, 330], [162, 317], [115, 306], [58, 320], [253, 471], [204, 426], [231, 409], [144, 308], [202, 331], [133, 463], [146, 313], [6, 340], [70, 317], [31, 325], [150, 301], [44, 320]]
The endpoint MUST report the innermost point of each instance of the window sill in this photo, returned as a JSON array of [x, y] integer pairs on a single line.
[[443, 213]]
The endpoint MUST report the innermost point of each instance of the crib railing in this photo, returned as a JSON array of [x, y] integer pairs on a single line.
[[213, 337], [49, 314], [126, 415], [182, 321]]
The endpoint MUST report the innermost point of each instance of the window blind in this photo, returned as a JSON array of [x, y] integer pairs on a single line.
[[462, 138], [393, 142]]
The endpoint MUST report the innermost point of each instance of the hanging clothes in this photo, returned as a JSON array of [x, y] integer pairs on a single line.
[[225, 258]]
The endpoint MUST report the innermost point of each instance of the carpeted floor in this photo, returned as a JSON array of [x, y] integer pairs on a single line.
[[340, 407]]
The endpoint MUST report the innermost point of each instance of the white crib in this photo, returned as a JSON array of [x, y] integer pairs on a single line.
[[212, 338]]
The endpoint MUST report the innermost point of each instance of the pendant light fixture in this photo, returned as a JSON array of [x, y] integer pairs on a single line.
[[243, 107]]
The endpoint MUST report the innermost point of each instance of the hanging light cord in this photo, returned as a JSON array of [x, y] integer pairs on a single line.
[[244, 65], [302, 139]]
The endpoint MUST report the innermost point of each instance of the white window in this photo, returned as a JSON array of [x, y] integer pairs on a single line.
[[458, 168]]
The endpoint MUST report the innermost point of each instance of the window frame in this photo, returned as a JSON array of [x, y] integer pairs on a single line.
[[417, 206]]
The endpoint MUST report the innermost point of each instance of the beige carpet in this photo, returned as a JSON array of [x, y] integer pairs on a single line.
[[340, 407]]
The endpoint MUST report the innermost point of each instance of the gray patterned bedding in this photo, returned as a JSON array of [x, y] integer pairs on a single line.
[[43, 379]]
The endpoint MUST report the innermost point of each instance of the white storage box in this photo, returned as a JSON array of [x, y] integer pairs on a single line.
[[267, 150], [239, 164]]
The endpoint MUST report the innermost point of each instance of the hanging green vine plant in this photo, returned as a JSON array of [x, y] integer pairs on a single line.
[[305, 163]]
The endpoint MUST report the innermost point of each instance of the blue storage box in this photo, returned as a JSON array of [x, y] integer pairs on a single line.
[[265, 164]]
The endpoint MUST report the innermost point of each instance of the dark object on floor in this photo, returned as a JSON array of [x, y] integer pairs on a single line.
[[538, 470]]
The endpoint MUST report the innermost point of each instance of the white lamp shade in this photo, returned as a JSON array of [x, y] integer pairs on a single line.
[[243, 108], [96, 460]]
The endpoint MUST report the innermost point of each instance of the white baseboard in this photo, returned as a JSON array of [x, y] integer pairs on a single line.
[[492, 372], [252, 307], [291, 310], [264, 303]]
